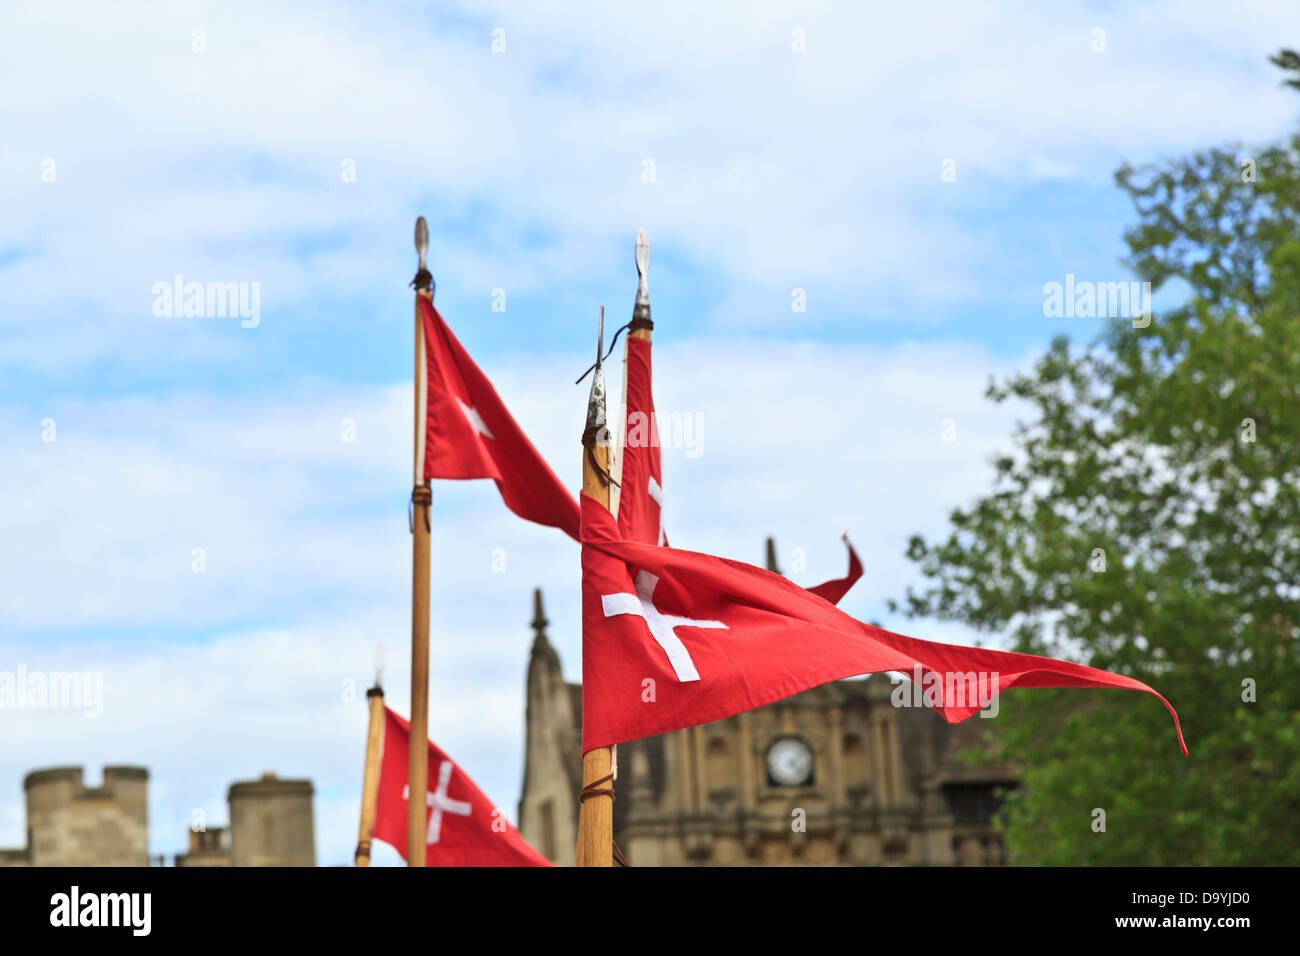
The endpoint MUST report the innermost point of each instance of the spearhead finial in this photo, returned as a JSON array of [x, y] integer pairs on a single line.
[[422, 239], [641, 311], [379, 665], [596, 400], [423, 277]]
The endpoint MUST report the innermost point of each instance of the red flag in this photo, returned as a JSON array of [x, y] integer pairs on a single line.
[[465, 829], [468, 433], [834, 590], [641, 491], [672, 638], [640, 499]]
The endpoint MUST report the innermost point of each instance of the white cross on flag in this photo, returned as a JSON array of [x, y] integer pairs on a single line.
[[440, 802], [663, 627], [464, 828], [673, 638], [475, 419]]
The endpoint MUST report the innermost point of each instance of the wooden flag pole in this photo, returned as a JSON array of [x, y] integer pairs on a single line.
[[370, 778], [421, 502], [596, 806]]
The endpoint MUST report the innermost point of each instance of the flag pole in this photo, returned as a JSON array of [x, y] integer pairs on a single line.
[[421, 502], [370, 778], [639, 328], [595, 811]]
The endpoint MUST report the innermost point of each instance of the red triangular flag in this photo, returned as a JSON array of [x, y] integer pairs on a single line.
[[468, 433], [640, 496], [465, 829], [834, 590], [672, 638], [641, 489]]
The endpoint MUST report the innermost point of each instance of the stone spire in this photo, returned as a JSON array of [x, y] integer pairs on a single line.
[[539, 620], [771, 555]]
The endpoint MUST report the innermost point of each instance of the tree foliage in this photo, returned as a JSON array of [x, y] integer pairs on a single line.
[[1173, 452]]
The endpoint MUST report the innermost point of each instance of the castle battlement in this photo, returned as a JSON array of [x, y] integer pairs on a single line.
[[71, 824]]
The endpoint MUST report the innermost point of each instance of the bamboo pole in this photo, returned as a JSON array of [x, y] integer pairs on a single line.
[[421, 501], [596, 814], [370, 778]]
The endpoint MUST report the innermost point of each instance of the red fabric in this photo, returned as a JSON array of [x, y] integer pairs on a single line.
[[778, 640], [639, 515], [834, 590], [455, 448], [481, 837]]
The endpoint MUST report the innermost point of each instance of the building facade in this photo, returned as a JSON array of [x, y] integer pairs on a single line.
[[836, 775], [70, 824]]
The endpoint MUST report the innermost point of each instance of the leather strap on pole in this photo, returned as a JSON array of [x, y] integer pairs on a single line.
[[589, 439], [420, 495], [594, 789]]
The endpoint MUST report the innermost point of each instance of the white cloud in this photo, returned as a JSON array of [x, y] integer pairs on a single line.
[[774, 169], [221, 676]]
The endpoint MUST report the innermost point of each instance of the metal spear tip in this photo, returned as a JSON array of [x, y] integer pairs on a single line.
[[600, 337], [379, 664], [421, 238], [423, 281], [641, 311], [596, 400], [642, 251]]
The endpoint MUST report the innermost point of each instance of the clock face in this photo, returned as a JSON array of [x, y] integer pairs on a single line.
[[789, 762]]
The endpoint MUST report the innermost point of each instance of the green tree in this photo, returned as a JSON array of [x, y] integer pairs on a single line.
[[1173, 451]]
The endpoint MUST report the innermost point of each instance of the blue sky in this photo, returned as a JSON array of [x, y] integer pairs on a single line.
[[220, 155]]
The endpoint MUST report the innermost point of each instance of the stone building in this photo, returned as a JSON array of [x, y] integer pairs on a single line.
[[271, 823], [872, 784], [70, 824]]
